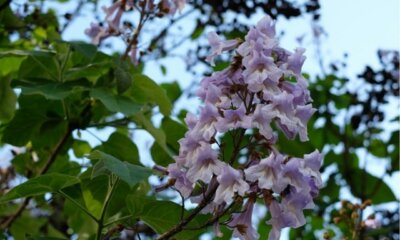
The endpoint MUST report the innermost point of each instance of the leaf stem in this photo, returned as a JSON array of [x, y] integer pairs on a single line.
[[100, 223], [63, 65], [117, 220], [135, 37], [78, 205]]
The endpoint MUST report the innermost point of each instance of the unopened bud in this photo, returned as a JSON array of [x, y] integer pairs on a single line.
[[354, 215], [350, 205], [366, 203], [362, 224]]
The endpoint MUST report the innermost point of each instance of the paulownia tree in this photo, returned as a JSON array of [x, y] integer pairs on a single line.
[[70, 116]]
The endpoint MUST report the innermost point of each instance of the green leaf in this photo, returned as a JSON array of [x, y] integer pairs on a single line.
[[40, 67], [9, 65], [49, 89], [378, 148], [146, 90], [160, 215], [198, 31], [163, 69], [122, 75], [94, 192], [24, 53], [115, 103], [173, 90], [158, 134], [219, 66], [331, 157], [9, 19], [91, 72], [341, 101], [51, 182], [129, 173], [8, 100], [121, 147], [174, 132], [45, 238], [26, 225], [77, 219], [22, 163], [22, 127], [64, 165], [81, 148], [316, 137], [368, 186], [294, 147], [159, 156], [87, 50], [330, 192], [50, 132], [394, 138], [117, 206], [332, 136], [89, 69]]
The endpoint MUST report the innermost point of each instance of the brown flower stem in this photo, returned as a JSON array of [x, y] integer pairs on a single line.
[[206, 199], [179, 227], [135, 37]]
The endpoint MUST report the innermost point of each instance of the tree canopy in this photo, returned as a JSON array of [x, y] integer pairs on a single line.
[[74, 116]]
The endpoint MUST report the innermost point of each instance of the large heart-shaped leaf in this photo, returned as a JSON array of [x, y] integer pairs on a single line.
[[129, 173]]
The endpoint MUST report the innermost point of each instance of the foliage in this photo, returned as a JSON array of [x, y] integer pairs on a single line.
[[54, 93]]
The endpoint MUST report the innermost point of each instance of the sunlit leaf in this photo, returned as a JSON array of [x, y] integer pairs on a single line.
[[115, 103], [121, 147], [8, 100], [145, 90], [129, 173]]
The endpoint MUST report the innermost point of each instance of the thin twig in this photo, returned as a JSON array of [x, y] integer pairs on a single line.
[[117, 220], [104, 210], [182, 204], [135, 37], [214, 219], [78, 205], [117, 122], [74, 14], [50, 160], [205, 201], [112, 231], [165, 30], [179, 227], [52, 157], [56, 151]]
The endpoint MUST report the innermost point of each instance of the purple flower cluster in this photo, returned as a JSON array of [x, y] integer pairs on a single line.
[[113, 17], [97, 32], [261, 92]]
